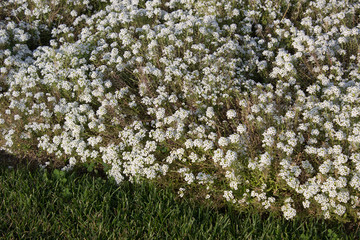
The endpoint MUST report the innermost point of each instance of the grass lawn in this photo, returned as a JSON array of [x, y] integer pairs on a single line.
[[50, 204]]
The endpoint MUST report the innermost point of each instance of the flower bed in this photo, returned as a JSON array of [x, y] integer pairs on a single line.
[[253, 101]]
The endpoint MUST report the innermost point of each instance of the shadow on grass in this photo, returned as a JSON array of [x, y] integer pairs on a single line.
[[52, 204]]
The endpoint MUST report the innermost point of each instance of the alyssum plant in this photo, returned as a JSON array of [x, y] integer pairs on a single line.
[[254, 101]]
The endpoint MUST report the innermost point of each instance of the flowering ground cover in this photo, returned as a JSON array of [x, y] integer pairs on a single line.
[[252, 102]]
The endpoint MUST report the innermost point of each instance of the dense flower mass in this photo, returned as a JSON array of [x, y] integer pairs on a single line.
[[257, 102]]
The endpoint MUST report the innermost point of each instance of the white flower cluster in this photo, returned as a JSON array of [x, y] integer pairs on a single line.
[[289, 212], [263, 98]]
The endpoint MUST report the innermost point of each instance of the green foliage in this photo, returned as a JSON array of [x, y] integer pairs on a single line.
[[54, 204]]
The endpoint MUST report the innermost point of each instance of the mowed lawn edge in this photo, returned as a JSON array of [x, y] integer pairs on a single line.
[[48, 203]]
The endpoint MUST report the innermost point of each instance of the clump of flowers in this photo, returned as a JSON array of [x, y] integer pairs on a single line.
[[254, 102]]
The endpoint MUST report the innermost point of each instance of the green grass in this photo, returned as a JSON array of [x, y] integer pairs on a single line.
[[38, 204]]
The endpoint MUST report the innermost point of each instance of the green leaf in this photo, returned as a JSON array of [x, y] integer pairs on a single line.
[[56, 173]]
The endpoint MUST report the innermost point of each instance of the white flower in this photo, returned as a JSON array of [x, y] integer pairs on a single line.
[[306, 203], [223, 141], [265, 160], [234, 138], [210, 112], [189, 178], [241, 129], [73, 13], [288, 211], [230, 157], [181, 192], [340, 210], [231, 114], [290, 114], [228, 195]]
